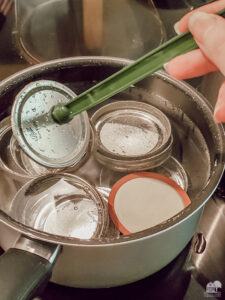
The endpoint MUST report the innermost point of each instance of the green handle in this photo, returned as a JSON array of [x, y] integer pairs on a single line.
[[141, 68], [22, 274]]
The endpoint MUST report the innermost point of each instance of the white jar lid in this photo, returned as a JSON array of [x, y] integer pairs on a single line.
[[142, 200]]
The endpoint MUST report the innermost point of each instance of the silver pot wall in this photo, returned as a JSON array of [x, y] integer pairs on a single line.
[[198, 145]]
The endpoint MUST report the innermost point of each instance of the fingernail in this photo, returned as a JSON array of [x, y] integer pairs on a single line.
[[176, 28], [165, 66]]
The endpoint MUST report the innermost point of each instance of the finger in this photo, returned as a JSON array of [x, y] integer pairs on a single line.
[[191, 64], [219, 112], [214, 7], [209, 33]]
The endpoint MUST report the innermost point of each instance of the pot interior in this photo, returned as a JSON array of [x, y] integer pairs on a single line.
[[197, 140]]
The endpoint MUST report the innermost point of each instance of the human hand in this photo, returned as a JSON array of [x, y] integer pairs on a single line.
[[208, 31]]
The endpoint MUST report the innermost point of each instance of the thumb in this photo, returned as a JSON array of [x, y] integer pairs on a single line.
[[208, 31]]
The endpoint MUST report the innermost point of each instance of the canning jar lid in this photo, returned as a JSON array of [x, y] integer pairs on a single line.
[[45, 141], [7, 163], [175, 171], [61, 204], [142, 200], [34, 169], [171, 168], [131, 135], [19, 165]]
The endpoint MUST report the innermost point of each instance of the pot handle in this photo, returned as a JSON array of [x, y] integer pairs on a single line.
[[25, 269]]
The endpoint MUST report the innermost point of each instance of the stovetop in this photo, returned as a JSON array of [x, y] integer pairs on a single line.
[[201, 263]]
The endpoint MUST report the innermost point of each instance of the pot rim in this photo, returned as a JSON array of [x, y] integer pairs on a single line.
[[202, 197]]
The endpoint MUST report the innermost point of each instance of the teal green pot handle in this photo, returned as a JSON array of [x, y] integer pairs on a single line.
[[22, 274]]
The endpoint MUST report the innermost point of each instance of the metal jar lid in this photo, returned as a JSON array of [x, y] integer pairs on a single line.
[[131, 136], [175, 171], [171, 168], [22, 160], [61, 204], [34, 169], [8, 164], [45, 141]]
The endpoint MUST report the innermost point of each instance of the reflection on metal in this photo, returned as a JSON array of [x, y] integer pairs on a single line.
[[43, 249], [93, 24], [54, 29], [200, 244], [210, 264]]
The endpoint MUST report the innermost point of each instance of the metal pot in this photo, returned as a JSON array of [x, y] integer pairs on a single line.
[[198, 145]]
